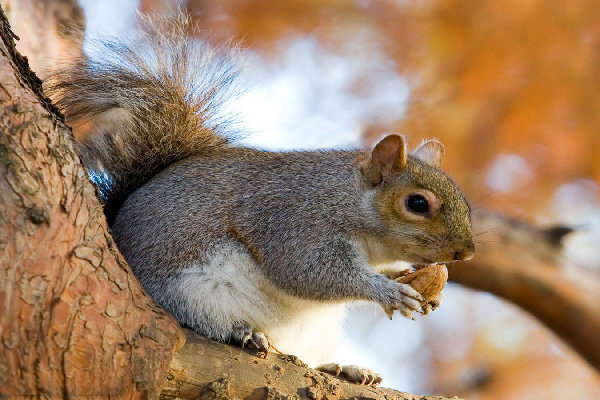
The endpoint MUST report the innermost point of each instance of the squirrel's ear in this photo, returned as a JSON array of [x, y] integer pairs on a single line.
[[388, 156], [432, 152]]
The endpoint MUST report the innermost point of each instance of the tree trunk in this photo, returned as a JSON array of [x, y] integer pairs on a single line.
[[74, 321]]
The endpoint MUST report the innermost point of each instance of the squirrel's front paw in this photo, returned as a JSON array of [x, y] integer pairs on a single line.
[[244, 336], [352, 373], [404, 299]]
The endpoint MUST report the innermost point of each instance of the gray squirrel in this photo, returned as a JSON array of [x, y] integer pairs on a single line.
[[246, 246]]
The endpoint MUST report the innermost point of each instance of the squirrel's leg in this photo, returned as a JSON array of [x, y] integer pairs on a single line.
[[339, 271], [352, 373], [221, 297]]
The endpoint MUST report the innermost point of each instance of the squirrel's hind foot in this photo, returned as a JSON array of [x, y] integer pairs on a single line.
[[246, 337], [352, 373]]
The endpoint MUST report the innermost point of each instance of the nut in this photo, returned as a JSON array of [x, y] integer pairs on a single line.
[[428, 281]]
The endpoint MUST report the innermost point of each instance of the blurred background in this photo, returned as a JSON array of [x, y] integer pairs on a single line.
[[510, 87]]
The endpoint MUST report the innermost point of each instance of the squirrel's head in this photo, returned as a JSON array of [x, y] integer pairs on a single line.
[[425, 217]]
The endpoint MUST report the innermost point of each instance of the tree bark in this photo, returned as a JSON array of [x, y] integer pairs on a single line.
[[74, 321], [205, 369]]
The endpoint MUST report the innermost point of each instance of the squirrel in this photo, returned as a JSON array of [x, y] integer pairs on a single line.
[[253, 247]]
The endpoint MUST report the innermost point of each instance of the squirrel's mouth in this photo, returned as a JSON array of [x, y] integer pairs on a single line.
[[417, 267]]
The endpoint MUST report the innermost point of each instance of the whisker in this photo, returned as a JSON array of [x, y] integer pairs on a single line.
[[485, 196], [481, 233], [485, 241]]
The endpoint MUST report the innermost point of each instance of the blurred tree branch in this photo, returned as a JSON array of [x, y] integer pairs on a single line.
[[524, 264]]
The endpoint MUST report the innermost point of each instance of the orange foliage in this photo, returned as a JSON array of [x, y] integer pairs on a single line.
[[487, 77], [516, 77]]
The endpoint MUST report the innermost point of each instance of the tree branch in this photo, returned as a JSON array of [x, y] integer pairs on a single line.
[[206, 369], [524, 264]]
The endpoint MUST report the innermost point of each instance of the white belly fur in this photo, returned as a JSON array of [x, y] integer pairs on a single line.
[[230, 289]]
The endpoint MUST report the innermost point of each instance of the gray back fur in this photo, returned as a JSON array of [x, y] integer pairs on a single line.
[[280, 206]]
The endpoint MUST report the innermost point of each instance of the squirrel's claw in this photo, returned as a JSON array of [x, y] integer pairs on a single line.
[[254, 340], [433, 304], [352, 373], [260, 342], [407, 301], [331, 368], [389, 311]]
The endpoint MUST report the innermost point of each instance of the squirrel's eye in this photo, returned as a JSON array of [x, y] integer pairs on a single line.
[[417, 203]]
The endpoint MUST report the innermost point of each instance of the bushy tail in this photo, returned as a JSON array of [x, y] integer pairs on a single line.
[[151, 102]]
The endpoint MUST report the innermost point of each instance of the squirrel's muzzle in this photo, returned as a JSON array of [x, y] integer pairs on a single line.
[[465, 253]]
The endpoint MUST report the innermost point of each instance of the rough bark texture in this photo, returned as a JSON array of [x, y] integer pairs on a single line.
[[48, 30], [204, 369], [73, 320], [524, 264]]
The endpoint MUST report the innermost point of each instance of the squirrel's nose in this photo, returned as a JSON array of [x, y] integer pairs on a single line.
[[466, 253]]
